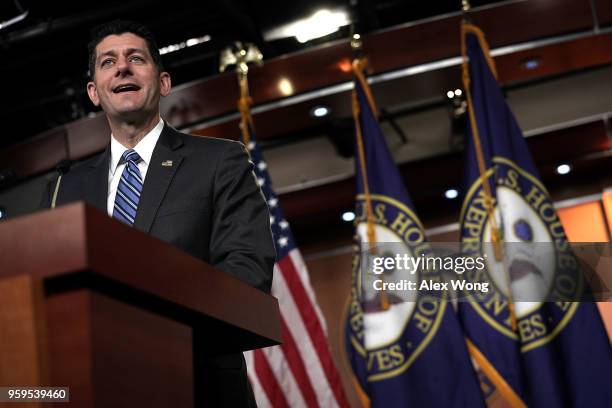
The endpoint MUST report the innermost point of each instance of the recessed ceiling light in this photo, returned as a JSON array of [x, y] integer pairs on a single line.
[[285, 87], [450, 94], [451, 193], [531, 63], [345, 65], [348, 216], [320, 111], [184, 44], [320, 24], [564, 168]]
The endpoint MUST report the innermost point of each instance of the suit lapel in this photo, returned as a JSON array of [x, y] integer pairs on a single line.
[[94, 194], [158, 177]]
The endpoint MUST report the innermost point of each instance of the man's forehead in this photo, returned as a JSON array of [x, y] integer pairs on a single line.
[[118, 42]]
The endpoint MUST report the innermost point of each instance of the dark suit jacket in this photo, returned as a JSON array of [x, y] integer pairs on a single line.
[[208, 204]]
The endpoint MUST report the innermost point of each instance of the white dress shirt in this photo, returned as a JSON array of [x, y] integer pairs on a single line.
[[144, 148]]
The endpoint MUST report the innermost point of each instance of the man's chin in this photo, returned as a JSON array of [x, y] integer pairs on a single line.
[[132, 114]]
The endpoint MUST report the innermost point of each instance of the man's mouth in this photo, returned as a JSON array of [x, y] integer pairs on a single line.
[[126, 88]]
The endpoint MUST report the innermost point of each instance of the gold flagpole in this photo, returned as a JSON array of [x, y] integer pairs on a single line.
[[244, 103], [241, 55], [356, 46], [358, 70]]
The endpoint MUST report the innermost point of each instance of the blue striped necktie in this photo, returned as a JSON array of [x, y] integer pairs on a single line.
[[129, 189]]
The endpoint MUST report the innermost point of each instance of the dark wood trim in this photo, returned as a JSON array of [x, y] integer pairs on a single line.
[[604, 12]]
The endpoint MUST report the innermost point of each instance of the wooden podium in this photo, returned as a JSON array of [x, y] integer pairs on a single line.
[[121, 318]]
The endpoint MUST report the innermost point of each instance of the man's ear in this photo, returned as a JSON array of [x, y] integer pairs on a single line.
[[92, 92], [165, 83]]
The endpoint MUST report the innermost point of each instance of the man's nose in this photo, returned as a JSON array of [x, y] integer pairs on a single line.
[[122, 67]]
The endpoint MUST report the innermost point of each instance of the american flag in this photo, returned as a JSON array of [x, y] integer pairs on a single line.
[[300, 372]]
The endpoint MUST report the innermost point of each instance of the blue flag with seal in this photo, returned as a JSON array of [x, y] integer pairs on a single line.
[[537, 348], [403, 352]]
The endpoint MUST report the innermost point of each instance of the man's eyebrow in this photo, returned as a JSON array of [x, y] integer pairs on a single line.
[[110, 53], [113, 53], [133, 50]]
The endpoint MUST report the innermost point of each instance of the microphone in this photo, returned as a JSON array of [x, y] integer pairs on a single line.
[[62, 168]]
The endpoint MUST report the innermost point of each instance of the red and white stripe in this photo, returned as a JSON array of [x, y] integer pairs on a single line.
[[300, 372]]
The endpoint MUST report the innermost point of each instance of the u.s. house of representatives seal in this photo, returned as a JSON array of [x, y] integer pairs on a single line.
[[391, 339], [538, 270]]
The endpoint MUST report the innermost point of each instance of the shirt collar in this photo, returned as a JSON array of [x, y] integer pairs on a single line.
[[144, 148]]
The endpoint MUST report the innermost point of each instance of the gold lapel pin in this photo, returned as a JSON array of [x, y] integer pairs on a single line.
[[167, 163]]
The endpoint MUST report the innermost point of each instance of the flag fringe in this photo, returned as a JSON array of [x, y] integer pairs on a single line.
[[496, 237], [358, 67]]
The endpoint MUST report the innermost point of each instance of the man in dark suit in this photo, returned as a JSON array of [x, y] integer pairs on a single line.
[[198, 194]]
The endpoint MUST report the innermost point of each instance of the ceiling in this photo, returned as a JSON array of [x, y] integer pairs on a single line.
[[43, 58], [563, 104]]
